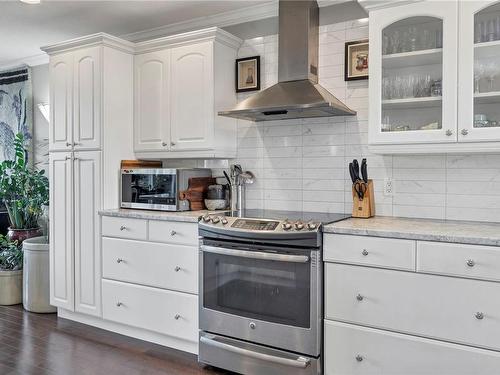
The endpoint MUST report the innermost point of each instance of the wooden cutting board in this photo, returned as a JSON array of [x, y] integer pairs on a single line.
[[196, 192]]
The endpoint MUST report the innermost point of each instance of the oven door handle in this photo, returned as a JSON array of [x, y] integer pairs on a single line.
[[300, 362], [256, 254]]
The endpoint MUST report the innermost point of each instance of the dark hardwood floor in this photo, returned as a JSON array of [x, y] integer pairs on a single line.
[[43, 344]]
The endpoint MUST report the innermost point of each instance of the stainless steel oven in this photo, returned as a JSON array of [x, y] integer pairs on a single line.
[[157, 189], [260, 295]]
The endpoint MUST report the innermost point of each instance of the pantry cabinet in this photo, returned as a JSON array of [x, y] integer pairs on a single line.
[[90, 85], [181, 82], [426, 95]]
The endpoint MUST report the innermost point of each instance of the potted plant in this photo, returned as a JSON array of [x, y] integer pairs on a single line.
[[24, 192], [11, 274]]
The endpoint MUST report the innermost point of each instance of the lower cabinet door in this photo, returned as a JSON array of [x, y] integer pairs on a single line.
[[87, 188], [162, 311], [356, 350]]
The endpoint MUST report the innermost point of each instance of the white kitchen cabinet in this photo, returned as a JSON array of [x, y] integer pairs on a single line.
[[91, 84], [181, 82], [61, 230], [152, 101], [458, 109]]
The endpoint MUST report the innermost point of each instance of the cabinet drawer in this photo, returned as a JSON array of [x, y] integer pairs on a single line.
[[162, 311], [370, 251], [174, 232], [459, 310], [158, 265], [364, 351], [124, 227], [479, 262]]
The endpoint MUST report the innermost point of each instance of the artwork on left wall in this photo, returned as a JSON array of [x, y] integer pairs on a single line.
[[16, 110]]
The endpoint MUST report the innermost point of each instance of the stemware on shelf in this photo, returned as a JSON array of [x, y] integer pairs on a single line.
[[478, 74], [491, 70]]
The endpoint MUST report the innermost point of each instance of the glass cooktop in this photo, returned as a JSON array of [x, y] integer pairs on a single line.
[[318, 217]]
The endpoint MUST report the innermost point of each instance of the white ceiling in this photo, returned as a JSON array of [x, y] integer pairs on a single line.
[[25, 28]]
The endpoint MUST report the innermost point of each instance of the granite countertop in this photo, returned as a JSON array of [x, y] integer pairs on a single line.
[[186, 216], [420, 229]]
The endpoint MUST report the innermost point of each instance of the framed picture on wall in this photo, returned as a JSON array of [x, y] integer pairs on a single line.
[[248, 74], [356, 60]]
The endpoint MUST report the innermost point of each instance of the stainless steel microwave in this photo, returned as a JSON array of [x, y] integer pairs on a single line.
[[157, 189]]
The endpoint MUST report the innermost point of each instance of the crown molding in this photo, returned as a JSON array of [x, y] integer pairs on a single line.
[[90, 40], [40, 59], [208, 34], [233, 17], [370, 5]]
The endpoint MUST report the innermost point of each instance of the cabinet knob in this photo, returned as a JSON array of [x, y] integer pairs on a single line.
[[76, 143], [177, 268], [164, 144], [122, 228], [479, 315], [119, 260], [118, 304], [471, 263], [359, 358], [464, 132], [172, 143], [177, 317], [69, 144], [173, 233], [359, 297], [449, 132], [364, 252]]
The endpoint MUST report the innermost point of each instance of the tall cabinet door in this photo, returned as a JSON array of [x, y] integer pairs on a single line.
[[61, 102], [192, 114], [87, 76], [479, 74], [61, 230], [152, 101], [413, 73], [87, 186]]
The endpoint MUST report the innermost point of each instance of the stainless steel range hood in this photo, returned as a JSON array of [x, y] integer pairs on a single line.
[[297, 93]]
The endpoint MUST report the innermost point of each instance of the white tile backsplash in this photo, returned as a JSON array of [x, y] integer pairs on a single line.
[[302, 164]]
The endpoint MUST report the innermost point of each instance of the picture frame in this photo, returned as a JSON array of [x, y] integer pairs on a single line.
[[356, 62], [248, 74]]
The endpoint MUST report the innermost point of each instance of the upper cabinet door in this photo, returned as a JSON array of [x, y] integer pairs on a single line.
[[61, 230], [87, 98], [152, 101], [413, 73], [61, 102], [479, 64], [192, 113], [87, 191]]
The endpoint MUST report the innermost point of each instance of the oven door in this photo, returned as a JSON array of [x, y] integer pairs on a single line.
[[151, 189], [264, 295]]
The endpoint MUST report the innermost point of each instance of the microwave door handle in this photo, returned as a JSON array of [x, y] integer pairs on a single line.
[[256, 254], [300, 362]]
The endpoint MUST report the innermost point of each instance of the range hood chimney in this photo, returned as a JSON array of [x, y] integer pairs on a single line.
[[297, 93]]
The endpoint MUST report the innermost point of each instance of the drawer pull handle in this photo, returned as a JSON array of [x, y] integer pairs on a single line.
[[177, 317], [120, 260], [479, 315], [364, 252], [177, 268], [122, 228], [118, 304], [471, 263], [359, 297], [359, 358], [173, 233]]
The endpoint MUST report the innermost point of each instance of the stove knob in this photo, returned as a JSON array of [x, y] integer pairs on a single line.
[[312, 226], [215, 219], [206, 218], [299, 225], [223, 221], [286, 225]]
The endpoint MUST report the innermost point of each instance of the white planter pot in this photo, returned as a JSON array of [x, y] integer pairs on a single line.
[[11, 287], [36, 290]]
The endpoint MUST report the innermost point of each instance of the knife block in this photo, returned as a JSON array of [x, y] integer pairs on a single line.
[[363, 208]]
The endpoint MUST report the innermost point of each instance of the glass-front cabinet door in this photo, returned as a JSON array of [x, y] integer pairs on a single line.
[[479, 75], [413, 73]]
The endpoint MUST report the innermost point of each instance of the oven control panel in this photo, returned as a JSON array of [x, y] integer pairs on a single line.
[[263, 225]]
